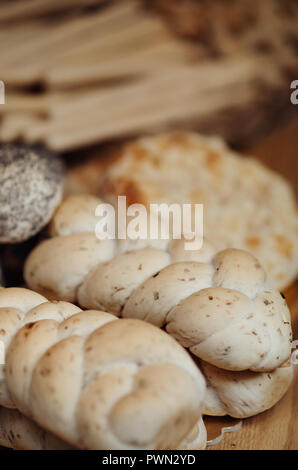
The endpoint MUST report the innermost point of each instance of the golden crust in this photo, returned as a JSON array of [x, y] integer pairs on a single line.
[[246, 205]]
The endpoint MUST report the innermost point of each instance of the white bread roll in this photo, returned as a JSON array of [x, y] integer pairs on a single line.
[[218, 305], [97, 382]]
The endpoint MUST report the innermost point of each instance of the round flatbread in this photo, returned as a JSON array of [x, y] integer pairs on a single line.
[[246, 205]]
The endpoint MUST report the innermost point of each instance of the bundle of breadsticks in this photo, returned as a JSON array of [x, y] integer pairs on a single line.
[[79, 73]]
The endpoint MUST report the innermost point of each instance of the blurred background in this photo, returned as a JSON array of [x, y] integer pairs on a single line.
[[79, 73]]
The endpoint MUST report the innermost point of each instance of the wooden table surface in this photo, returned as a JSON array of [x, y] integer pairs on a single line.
[[278, 427]]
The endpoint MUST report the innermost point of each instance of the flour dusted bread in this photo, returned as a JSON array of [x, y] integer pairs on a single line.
[[97, 382], [31, 187], [15, 303], [218, 305], [20, 433], [244, 394], [224, 312], [246, 205]]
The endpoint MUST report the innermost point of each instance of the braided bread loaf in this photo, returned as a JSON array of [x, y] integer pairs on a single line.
[[219, 306], [95, 381], [20, 433]]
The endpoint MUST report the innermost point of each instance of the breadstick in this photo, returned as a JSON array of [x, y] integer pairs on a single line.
[[30, 8]]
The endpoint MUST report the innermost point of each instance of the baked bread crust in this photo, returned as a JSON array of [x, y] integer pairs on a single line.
[[31, 187], [244, 394], [97, 382], [219, 306], [246, 205], [20, 433]]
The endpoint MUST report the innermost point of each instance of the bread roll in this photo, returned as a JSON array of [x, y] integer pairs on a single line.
[[97, 382], [220, 306]]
